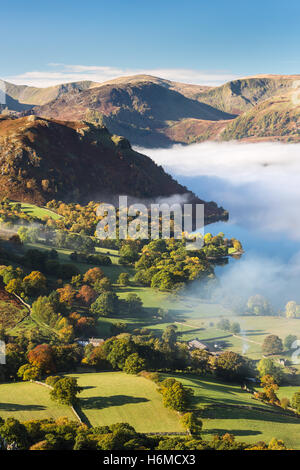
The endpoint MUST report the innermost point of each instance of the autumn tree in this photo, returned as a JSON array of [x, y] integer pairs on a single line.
[[93, 275], [42, 357], [272, 345], [292, 310], [87, 294], [67, 294], [34, 284]]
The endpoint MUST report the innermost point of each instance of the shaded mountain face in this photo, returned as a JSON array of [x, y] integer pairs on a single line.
[[153, 112], [43, 159], [141, 111]]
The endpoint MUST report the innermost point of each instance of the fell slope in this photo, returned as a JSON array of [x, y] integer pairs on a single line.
[[42, 159], [141, 111], [154, 112], [277, 118], [32, 96], [241, 95]]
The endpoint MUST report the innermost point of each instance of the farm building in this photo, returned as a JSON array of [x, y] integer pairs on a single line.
[[196, 344]]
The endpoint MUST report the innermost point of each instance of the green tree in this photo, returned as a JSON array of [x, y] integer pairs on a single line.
[[231, 366], [289, 340], [224, 324], [123, 279], [259, 305], [134, 364], [106, 304], [134, 304], [296, 401], [176, 396], [266, 366], [65, 391], [15, 432], [118, 349], [29, 372], [169, 336], [235, 328], [192, 423]]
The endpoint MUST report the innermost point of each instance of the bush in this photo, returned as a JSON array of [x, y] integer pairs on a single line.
[[52, 379]]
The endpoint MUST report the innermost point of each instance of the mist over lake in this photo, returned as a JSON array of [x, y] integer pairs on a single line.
[[259, 185]]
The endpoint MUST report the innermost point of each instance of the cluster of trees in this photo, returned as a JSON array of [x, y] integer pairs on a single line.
[[63, 434], [45, 359], [259, 305], [39, 355], [292, 309], [91, 294], [97, 259], [167, 265], [134, 353], [74, 217], [271, 376], [11, 214], [16, 282], [226, 325]]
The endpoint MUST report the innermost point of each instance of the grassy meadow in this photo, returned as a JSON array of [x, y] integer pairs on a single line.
[[115, 397], [26, 401]]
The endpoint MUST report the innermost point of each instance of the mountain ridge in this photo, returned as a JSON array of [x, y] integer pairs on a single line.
[[154, 112]]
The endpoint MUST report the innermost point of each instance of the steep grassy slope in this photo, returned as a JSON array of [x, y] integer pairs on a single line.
[[243, 94], [277, 118]]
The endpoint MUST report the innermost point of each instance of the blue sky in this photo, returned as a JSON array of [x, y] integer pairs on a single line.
[[48, 42]]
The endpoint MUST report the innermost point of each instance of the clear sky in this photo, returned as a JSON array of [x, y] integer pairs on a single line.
[[202, 41]]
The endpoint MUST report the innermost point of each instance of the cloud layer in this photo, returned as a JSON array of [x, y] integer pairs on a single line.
[[61, 73], [258, 183]]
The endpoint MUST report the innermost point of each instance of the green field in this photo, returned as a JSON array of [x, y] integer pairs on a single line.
[[114, 397], [228, 409], [26, 401], [38, 212]]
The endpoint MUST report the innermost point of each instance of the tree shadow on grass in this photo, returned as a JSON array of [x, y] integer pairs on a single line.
[[236, 432], [18, 407], [106, 402], [270, 415]]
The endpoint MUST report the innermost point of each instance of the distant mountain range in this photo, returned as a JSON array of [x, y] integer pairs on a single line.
[[153, 112]]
